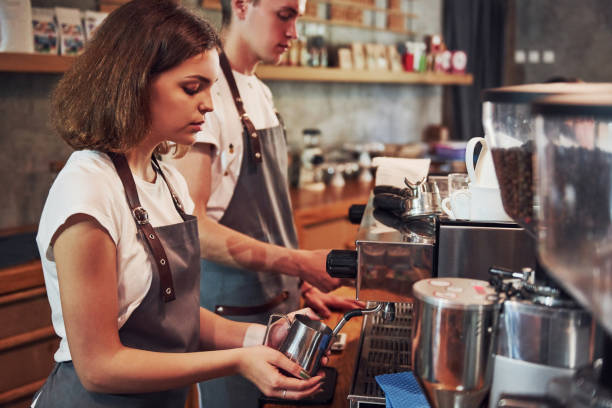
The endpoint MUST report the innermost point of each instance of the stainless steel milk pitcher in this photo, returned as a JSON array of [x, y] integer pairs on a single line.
[[309, 340]]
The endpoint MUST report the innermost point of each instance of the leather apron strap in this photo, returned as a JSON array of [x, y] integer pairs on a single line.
[[142, 222], [175, 198], [244, 117]]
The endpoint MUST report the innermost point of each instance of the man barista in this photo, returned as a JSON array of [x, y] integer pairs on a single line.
[[237, 176]]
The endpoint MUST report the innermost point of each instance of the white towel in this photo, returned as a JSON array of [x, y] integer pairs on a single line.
[[391, 171]]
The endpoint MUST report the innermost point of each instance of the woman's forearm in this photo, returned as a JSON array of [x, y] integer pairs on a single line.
[[128, 370], [217, 333]]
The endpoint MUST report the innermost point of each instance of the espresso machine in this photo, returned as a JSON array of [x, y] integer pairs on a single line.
[[392, 253]]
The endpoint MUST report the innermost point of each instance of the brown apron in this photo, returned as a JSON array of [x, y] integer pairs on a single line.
[[167, 320], [260, 208]]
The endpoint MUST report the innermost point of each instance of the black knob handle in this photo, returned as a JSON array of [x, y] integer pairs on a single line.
[[342, 263], [389, 202], [402, 192], [355, 213]]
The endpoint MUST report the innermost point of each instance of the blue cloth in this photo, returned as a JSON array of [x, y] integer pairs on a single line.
[[402, 390]]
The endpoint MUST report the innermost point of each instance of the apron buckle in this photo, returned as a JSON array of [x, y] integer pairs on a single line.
[[140, 215]]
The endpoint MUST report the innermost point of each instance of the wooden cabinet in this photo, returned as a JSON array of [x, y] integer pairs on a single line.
[[27, 339]]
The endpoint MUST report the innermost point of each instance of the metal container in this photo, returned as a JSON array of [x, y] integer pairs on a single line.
[[538, 342], [307, 340], [552, 336], [454, 336], [306, 343]]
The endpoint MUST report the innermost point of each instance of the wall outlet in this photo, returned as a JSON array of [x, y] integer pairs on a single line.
[[533, 57], [548, 56]]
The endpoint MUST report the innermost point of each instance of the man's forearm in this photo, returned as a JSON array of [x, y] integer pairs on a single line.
[[225, 246]]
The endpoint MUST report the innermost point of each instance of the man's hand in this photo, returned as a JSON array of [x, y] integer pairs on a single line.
[[308, 265], [324, 303], [313, 269]]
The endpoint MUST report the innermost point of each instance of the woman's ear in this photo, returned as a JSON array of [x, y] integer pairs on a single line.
[[240, 8]]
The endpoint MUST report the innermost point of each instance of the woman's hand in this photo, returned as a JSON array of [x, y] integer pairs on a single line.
[[262, 366]]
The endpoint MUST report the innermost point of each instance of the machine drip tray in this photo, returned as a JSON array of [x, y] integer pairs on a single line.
[[384, 348]]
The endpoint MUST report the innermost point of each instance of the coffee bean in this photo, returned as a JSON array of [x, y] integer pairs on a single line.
[[514, 171], [577, 202]]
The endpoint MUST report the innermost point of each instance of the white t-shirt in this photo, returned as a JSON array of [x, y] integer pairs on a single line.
[[89, 184], [224, 130]]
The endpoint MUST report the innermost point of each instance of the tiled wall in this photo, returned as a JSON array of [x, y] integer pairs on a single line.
[[344, 113]]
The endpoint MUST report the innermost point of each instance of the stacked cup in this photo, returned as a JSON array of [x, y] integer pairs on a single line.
[[457, 204]]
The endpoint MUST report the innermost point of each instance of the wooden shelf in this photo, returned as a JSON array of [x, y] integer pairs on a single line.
[[308, 74], [216, 6], [308, 19], [366, 7], [54, 64], [38, 63]]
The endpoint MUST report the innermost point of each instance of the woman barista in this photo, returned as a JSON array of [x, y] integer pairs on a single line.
[[120, 251], [237, 175]]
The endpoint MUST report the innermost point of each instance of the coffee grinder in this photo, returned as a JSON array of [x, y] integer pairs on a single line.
[[574, 167], [543, 332]]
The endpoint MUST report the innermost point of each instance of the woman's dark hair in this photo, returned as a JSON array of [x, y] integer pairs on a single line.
[[102, 102]]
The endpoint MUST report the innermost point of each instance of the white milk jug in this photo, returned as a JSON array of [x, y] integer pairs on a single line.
[[483, 173]]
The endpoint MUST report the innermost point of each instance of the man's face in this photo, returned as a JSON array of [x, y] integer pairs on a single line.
[[270, 26]]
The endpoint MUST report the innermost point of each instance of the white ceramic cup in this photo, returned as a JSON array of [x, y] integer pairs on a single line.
[[457, 205], [476, 203], [483, 172], [486, 204]]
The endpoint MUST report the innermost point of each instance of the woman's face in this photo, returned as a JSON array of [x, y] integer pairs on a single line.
[[180, 97]]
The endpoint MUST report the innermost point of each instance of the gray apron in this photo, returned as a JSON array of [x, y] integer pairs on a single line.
[[260, 208], [156, 325]]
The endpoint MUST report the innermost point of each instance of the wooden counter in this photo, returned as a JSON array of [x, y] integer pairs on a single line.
[[321, 217], [343, 361], [353, 192]]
